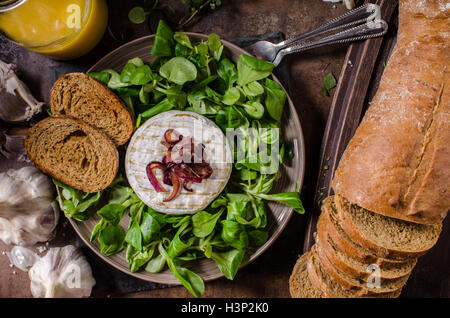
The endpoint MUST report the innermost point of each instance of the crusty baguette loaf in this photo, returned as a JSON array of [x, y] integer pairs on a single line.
[[383, 235], [81, 96], [397, 163], [299, 283], [73, 152]]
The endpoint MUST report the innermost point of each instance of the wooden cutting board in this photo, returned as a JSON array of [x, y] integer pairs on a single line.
[[358, 82]]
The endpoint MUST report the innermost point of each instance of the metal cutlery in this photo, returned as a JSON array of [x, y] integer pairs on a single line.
[[359, 24]]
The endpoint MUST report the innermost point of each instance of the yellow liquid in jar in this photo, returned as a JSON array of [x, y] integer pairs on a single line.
[[63, 29]]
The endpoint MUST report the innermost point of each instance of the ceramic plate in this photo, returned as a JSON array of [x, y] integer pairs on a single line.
[[290, 178]]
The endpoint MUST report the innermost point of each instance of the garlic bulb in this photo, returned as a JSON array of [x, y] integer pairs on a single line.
[[17, 104], [62, 272], [28, 212]]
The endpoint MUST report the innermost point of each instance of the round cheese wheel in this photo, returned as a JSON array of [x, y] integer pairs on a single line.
[[146, 146]]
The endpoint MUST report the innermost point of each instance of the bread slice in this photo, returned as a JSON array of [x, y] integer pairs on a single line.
[[329, 222], [357, 269], [299, 283], [372, 285], [81, 96], [322, 281], [385, 236], [73, 152]]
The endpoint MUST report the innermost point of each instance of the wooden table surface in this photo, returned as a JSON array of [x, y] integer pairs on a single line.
[[268, 275]]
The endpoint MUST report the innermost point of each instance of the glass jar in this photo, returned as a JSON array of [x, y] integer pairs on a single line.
[[61, 29]]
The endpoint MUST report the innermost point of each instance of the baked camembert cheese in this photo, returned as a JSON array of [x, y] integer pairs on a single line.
[[148, 147]]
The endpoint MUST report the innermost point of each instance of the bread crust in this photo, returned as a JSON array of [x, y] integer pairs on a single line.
[[115, 116], [316, 281], [66, 178], [295, 290], [397, 162]]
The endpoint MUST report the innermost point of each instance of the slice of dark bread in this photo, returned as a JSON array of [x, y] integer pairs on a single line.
[[329, 222], [81, 96], [299, 283], [372, 285], [73, 152], [357, 269], [322, 281], [385, 236]]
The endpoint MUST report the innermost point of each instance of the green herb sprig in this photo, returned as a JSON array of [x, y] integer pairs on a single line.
[[329, 82], [138, 14]]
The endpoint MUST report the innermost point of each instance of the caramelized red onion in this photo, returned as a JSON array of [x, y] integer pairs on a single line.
[[202, 170], [176, 183], [186, 172], [171, 136], [183, 165], [151, 175], [187, 185], [167, 179]]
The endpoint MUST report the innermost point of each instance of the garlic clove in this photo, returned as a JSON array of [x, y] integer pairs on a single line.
[[17, 104], [349, 4], [22, 257], [12, 148], [62, 272]]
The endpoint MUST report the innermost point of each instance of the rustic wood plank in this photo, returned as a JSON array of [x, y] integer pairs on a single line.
[[345, 113]]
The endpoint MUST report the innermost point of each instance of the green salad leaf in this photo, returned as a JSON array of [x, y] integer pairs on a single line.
[[289, 198], [182, 39], [251, 69], [193, 282], [111, 239], [178, 70], [164, 43], [275, 99], [75, 203], [229, 262], [102, 77], [204, 223]]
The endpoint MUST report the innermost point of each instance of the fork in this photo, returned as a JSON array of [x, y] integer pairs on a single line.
[[361, 23]]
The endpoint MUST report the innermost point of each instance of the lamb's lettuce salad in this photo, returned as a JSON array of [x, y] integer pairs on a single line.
[[197, 77]]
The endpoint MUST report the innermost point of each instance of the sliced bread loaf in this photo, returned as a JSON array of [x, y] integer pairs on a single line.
[[372, 285], [299, 283], [385, 236], [322, 281], [73, 152], [329, 222], [357, 269], [81, 96]]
